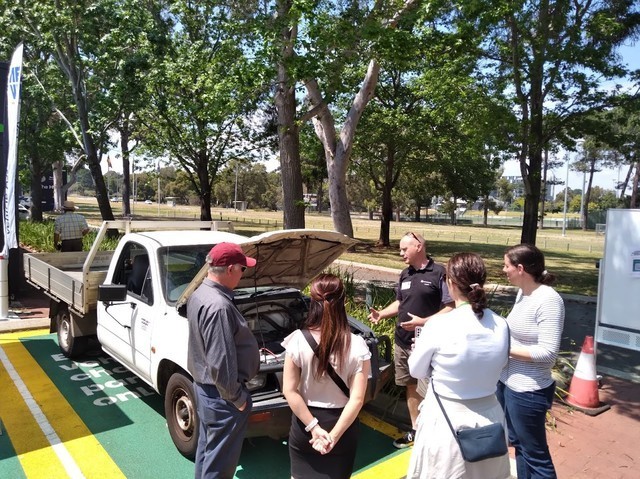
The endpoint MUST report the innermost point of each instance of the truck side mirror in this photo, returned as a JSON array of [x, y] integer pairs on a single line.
[[110, 293]]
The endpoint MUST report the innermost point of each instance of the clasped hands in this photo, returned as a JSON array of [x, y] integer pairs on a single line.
[[321, 440]]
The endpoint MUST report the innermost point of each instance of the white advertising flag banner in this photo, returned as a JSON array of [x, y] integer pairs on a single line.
[[13, 116]]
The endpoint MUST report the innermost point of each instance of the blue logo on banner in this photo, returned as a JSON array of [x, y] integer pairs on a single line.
[[14, 81]]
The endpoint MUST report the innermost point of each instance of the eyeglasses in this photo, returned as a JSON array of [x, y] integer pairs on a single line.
[[243, 268]]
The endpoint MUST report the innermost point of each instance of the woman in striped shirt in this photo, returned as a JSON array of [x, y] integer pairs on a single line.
[[526, 388]]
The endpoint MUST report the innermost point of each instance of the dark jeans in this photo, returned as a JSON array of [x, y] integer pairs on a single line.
[[222, 430], [72, 245], [526, 415]]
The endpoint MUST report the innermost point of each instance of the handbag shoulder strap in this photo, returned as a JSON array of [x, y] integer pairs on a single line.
[[330, 371], [455, 436]]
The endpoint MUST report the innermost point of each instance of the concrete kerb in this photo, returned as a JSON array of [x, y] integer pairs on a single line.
[[13, 325]]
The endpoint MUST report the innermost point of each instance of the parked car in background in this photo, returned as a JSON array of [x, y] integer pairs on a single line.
[[148, 202], [24, 213], [25, 201]]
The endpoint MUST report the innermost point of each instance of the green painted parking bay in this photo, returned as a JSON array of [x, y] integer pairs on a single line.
[[95, 419]]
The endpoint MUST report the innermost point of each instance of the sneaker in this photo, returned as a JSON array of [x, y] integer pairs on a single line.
[[406, 440]]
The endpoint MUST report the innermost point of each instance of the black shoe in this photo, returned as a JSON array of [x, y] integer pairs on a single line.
[[406, 440]]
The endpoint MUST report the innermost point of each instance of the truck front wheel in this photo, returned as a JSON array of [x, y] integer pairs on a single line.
[[181, 414], [70, 345]]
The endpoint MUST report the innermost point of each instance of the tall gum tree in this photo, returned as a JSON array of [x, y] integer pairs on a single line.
[[552, 58], [72, 32], [201, 89], [336, 38]]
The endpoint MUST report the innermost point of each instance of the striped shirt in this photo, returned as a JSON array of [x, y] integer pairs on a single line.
[[70, 226], [536, 323]]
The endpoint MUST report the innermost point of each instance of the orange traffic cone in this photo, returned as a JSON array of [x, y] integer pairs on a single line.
[[583, 391]]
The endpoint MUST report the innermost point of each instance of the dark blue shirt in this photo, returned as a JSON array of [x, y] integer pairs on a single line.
[[222, 349]]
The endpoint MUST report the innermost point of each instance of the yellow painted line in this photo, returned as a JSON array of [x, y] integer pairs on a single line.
[[7, 338], [378, 424], [85, 449], [32, 447], [394, 467]]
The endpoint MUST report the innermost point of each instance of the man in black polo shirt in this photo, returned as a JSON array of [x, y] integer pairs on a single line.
[[422, 292]]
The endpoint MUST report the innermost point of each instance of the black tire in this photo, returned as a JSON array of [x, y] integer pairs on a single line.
[[70, 345], [181, 414]]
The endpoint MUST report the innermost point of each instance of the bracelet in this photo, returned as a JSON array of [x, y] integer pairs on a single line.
[[311, 425]]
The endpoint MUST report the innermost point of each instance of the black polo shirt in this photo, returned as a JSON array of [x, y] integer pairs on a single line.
[[422, 292]]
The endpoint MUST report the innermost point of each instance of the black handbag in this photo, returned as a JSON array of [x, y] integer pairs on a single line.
[[330, 371], [477, 443]]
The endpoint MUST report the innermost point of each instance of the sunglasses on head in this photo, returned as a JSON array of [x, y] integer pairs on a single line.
[[413, 235]]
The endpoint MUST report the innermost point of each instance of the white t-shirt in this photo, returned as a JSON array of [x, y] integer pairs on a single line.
[[463, 354], [323, 391]]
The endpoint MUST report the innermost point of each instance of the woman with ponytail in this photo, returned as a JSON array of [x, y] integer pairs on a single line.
[[325, 380], [463, 352], [526, 388]]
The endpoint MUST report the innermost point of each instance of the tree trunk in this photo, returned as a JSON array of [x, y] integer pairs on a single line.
[[634, 190], [387, 203], [625, 183], [126, 182], [386, 216], [288, 132], [293, 204], [58, 191], [340, 210], [93, 161], [587, 196], [205, 187], [543, 192], [337, 149], [35, 168], [454, 210], [319, 197], [531, 174], [485, 212], [530, 219]]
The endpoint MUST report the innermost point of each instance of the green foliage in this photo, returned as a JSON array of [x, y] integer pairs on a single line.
[[518, 204], [38, 237]]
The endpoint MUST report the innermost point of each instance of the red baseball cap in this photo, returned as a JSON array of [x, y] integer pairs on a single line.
[[227, 254]]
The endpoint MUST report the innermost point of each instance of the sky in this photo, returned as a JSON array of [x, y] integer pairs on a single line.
[[605, 179]]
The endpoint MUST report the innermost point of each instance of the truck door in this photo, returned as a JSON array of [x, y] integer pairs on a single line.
[[124, 329]]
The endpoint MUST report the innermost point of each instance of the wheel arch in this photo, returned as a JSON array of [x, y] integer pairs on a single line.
[[166, 369]]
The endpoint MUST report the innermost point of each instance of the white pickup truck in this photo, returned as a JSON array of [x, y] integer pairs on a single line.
[[133, 300]]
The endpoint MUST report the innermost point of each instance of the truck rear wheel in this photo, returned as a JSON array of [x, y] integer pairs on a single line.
[[181, 414], [70, 345]]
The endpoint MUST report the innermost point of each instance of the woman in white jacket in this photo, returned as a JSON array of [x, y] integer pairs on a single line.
[[463, 352]]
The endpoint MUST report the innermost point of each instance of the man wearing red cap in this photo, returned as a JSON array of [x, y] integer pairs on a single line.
[[223, 356]]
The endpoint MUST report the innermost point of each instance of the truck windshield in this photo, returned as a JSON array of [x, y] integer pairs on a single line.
[[178, 266]]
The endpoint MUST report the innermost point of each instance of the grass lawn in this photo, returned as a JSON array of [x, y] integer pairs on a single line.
[[572, 257]]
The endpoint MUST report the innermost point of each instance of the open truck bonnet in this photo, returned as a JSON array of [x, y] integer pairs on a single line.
[[289, 258]]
